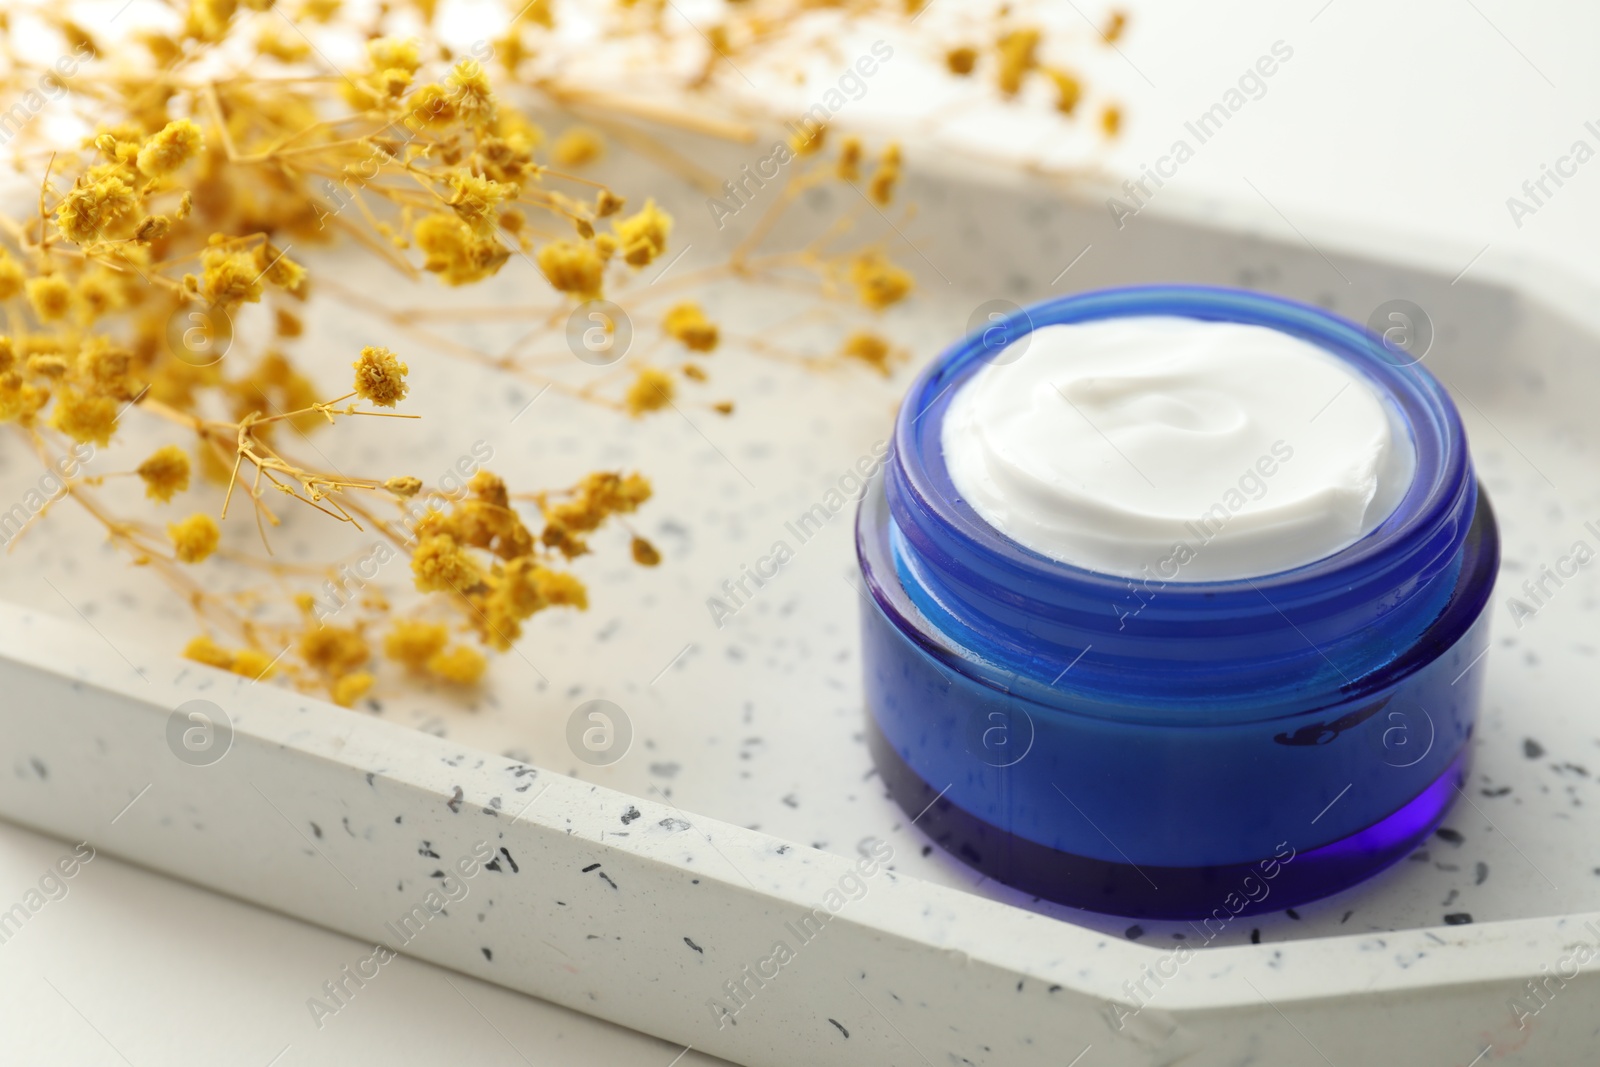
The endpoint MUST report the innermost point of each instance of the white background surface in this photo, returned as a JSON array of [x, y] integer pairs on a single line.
[[1420, 119]]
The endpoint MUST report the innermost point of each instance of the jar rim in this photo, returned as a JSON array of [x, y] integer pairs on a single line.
[[1441, 455], [978, 579]]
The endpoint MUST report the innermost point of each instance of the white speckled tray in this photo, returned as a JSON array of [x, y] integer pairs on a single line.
[[639, 890]]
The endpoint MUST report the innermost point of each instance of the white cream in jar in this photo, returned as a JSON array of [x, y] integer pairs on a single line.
[[1177, 449]]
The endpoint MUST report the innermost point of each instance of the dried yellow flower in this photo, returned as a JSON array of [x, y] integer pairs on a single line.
[[252, 663], [276, 267], [960, 61], [229, 277], [538, 12], [1111, 120], [153, 228], [165, 473], [562, 589], [849, 166], [459, 666], [106, 367], [573, 267], [878, 282], [439, 564], [651, 390], [401, 53], [644, 553], [170, 148], [452, 250], [204, 650], [404, 487], [207, 20], [476, 201], [884, 179], [472, 95], [870, 349], [84, 418], [101, 210], [289, 48], [1018, 55], [12, 276], [808, 138], [51, 297], [414, 643], [577, 147], [333, 650], [432, 106], [351, 688], [1068, 90], [20, 400], [380, 377], [689, 324], [643, 236], [195, 538], [47, 365]]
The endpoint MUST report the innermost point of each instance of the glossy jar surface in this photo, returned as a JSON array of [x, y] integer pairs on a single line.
[[1164, 748]]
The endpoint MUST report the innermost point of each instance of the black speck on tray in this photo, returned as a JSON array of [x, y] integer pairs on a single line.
[[1134, 932], [1444, 833], [1531, 748], [1458, 918]]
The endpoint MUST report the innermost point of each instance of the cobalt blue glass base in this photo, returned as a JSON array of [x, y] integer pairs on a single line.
[[1209, 894], [1168, 749]]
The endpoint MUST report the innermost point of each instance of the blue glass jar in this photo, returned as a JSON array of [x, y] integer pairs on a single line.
[[1176, 749]]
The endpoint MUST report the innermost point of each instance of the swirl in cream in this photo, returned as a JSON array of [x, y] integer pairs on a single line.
[[1176, 449]]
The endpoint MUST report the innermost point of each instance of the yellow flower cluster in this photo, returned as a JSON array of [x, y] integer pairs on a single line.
[[99, 208], [165, 473], [477, 200], [452, 250], [870, 349], [123, 289], [643, 235], [380, 377], [577, 147], [421, 648], [167, 150], [441, 564], [512, 584], [85, 417], [879, 282], [336, 652], [886, 177], [651, 390], [194, 538], [250, 662], [598, 497], [1018, 52], [688, 323], [573, 267], [351, 687]]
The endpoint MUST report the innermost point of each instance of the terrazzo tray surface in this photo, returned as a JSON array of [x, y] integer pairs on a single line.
[[650, 889]]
